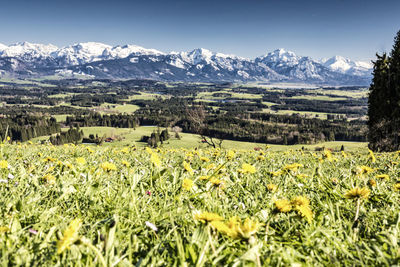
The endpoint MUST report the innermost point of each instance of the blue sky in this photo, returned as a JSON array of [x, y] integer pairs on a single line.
[[249, 28]]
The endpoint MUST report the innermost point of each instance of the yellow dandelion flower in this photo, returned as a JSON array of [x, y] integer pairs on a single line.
[[364, 170], [3, 164], [371, 156], [382, 176], [70, 236], [108, 166], [397, 186], [292, 167], [4, 229], [230, 155], [204, 159], [207, 217], [49, 178], [272, 187], [187, 167], [357, 193], [277, 173], [211, 166], [344, 155], [81, 161], [260, 158], [247, 168], [125, 163], [204, 177], [248, 228], [372, 182], [187, 184], [148, 150], [215, 181], [223, 228], [49, 159], [283, 205], [155, 159], [305, 211], [125, 150], [300, 201]]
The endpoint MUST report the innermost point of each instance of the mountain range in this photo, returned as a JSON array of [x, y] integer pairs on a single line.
[[99, 60]]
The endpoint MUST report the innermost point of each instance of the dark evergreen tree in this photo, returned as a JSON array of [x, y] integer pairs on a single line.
[[384, 101]]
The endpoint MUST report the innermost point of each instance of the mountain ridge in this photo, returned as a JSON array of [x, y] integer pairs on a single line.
[[131, 61]]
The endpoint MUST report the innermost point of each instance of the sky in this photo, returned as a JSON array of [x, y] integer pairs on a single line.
[[249, 28]]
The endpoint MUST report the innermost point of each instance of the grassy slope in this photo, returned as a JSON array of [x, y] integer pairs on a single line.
[[48, 188]]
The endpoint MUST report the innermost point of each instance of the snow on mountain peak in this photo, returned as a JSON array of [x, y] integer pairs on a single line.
[[28, 50], [346, 66], [2, 47]]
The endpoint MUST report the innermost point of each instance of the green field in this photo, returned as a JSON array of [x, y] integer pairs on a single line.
[[132, 206]]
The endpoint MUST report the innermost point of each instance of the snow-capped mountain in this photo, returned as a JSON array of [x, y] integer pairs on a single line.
[[27, 51], [131, 61], [346, 66]]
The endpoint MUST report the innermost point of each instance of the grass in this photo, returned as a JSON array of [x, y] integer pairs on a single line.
[[133, 206]]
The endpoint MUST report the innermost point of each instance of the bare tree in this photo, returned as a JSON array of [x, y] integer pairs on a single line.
[[197, 118]]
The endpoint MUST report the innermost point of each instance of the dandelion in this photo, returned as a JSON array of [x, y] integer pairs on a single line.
[[70, 235], [292, 167], [248, 228], [108, 166], [148, 150], [372, 182], [358, 193], [230, 155], [344, 155], [277, 173], [204, 159], [125, 163], [382, 176], [371, 156], [236, 229], [204, 177], [155, 159], [283, 205], [80, 161], [187, 167], [247, 168], [364, 170], [49, 178], [205, 217], [216, 182], [4, 229], [187, 184], [300, 201], [272, 187], [302, 206], [125, 150], [3, 164], [397, 187]]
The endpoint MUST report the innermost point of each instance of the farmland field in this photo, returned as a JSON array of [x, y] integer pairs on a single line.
[[131, 206]]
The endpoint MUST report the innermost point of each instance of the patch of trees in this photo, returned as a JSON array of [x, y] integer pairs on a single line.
[[24, 127], [156, 138], [384, 101], [73, 135]]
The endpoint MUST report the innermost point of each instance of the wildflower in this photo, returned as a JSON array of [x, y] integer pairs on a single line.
[[260, 158], [49, 178], [207, 217], [372, 182], [277, 173], [344, 154], [155, 159], [3, 164], [283, 205], [364, 170], [148, 193], [371, 156], [292, 167], [70, 235], [382, 176], [125, 150], [80, 160], [247, 168], [397, 186], [187, 184], [125, 163], [211, 166], [215, 181], [357, 193], [223, 228], [302, 206], [248, 228], [236, 229], [204, 177], [148, 150], [230, 155], [152, 226], [49, 159], [328, 155], [300, 201], [108, 166], [204, 159], [187, 167], [272, 187]]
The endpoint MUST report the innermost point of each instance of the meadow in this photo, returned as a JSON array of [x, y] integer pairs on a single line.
[[135, 206]]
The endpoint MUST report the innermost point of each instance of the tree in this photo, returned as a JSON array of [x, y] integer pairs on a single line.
[[197, 118], [384, 101]]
